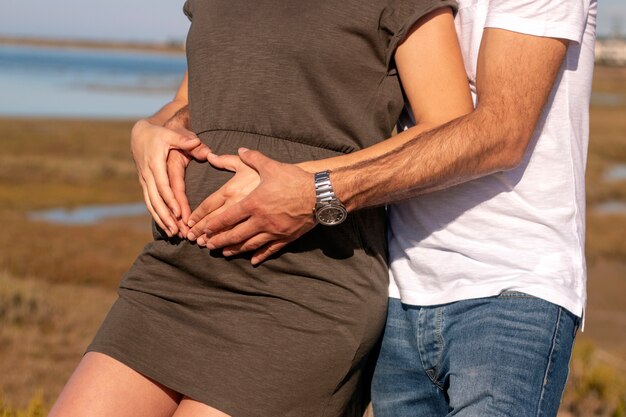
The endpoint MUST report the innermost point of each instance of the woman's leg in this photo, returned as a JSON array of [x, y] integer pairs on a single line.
[[192, 408], [104, 387]]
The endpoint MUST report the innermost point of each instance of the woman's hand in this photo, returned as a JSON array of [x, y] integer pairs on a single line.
[[161, 172]]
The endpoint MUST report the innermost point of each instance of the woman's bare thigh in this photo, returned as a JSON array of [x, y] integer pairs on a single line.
[[104, 387]]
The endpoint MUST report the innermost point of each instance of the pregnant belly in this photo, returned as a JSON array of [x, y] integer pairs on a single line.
[[342, 267], [201, 180]]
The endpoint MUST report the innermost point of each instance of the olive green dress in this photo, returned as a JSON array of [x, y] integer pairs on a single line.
[[297, 80]]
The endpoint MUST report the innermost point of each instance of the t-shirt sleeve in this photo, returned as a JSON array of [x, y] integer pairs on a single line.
[[564, 19], [401, 15], [187, 10]]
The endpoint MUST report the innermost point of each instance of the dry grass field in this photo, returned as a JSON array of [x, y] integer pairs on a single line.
[[57, 282], [48, 164]]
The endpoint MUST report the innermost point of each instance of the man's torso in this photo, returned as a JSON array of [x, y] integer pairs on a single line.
[[521, 229]]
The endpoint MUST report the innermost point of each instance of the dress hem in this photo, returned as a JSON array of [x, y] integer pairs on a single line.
[[156, 376]]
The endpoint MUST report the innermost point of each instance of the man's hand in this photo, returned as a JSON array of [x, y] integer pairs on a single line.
[[236, 189], [275, 213], [151, 145]]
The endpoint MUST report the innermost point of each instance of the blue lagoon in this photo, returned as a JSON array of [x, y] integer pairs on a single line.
[[85, 83]]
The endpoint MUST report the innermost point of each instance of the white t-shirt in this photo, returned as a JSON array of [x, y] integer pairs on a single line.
[[523, 229]]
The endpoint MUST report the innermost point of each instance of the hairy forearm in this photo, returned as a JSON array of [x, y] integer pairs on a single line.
[[466, 148], [515, 74], [176, 109], [367, 154], [179, 119]]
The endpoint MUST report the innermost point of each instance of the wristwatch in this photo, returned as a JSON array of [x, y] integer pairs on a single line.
[[328, 209]]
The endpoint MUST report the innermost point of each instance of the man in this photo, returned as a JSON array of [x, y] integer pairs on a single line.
[[488, 255]]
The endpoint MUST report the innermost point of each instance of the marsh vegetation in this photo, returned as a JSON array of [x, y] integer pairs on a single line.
[[57, 281]]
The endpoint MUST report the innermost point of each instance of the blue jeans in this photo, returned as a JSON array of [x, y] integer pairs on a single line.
[[497, 356]]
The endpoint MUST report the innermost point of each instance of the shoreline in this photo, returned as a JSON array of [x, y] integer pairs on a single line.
[[170, 48]]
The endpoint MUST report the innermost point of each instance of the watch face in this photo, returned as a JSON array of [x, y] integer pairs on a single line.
[[331, 215]]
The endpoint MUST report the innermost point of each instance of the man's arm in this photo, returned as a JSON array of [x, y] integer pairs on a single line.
[[433, 77], [515, 75]]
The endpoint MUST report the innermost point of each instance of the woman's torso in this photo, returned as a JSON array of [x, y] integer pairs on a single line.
[[318, 72], [297, 81]]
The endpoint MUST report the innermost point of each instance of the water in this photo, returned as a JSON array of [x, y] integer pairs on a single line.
[[616, 173], [86, 215], [62, 82]]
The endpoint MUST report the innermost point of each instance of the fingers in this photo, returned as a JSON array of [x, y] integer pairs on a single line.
[[268, 250], [161, 215], [200, 152], [161, 209], [151, 210], [211, 217], [201, 226], [162, 182], [229, 162], [253, 243], [198, 219], [176, 163], [267, 243], [217, 223], [184, 139], [237, 235], [181, 138], [235, 214], [176, 172], [150, 146], [254, 159]]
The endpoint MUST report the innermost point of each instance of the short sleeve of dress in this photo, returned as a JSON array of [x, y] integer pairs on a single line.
[[187, 9], [401, 15]]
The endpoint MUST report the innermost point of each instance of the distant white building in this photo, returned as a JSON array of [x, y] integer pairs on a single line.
[[611, 51]]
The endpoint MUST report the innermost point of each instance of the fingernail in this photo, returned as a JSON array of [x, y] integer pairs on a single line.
[[210, 245], [191, 236], [243, 150], [228, 253], [190, 223], [201, 241]]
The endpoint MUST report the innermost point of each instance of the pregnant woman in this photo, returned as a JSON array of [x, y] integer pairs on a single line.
[[194, 333]]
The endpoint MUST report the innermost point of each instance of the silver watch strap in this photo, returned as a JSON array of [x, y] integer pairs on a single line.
[[324, 192]]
